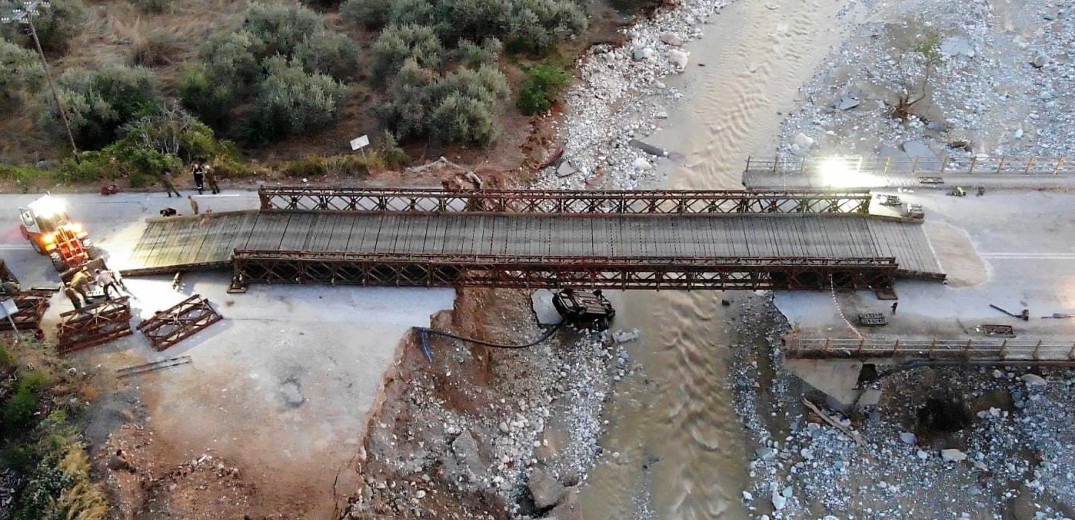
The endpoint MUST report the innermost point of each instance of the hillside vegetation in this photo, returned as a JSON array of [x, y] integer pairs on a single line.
[[149, 85]]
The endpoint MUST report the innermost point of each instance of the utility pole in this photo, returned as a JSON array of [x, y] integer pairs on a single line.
[[23, 12]]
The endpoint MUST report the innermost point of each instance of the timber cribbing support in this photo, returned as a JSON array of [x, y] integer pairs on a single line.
[[297, 267], [556, 202]]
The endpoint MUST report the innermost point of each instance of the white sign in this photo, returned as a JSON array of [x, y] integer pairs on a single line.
[[359, 142], [8, 308]]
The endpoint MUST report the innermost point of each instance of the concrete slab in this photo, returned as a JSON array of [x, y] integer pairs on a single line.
[[541, 301], [837, 378], [1022, 242]]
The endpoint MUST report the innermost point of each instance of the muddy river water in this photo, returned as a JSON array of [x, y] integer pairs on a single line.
[[680, 445]]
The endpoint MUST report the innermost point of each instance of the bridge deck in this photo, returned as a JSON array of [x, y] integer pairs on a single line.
[[181, 243]]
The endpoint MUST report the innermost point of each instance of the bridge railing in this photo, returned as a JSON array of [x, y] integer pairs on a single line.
[[916, 166], [391, 200], [504, 271], [969, 349]]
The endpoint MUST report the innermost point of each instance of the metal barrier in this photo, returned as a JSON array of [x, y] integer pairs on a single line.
[[915, 166], [969, 349], [392, 200], [291, 267]]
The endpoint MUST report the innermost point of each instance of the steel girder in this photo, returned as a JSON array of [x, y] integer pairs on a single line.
[[252, 266], [93, 325], [390, 200], [181, 321], [32, 306], [941, 350]]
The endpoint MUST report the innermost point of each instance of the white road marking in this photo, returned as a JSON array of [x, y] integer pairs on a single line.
[[1028, 256], [14, 247]]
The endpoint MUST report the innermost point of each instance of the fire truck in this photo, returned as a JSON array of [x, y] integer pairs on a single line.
[[51, 232]]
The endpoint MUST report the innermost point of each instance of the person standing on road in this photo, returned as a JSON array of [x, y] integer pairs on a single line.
[[894, 305], [210, 178], [106, 279], [199, 176], [169, 186], [73, 296]]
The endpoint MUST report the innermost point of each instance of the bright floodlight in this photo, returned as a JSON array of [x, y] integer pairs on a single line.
[[47, 206], [840, 172]]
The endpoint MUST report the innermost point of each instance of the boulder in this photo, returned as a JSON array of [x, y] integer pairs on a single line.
[[779, 501], [545, 489], [956, 46], [644, 53], [847, 103], [672, 39], [640, 164], [908, 438], [953, 455], [569, 508], [678, 58], [465, 449], [802, 140], [1032, 379]]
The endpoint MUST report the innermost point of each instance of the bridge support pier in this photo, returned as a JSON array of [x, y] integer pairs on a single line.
[[837, 378]]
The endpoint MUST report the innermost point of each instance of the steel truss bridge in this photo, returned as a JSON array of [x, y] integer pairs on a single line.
[[546, 239]]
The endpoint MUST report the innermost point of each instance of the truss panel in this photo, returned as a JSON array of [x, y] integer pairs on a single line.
[[391, 200], [932, 350], [179, 322], [32, 306], [298, 267], [93, 325]]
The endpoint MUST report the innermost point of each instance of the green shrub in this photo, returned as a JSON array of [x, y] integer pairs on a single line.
[[291, 102], [474, 19], [338, 165], [59, 487], [5, 358], [370, 13], [391, 152], [19, 409], [410, 98], [399, 43], [543, 84], [23, 175], [152, 6], [234, 57], [210, 100], [99, 102], [282, 27], [428, 13], [173, 131], [33, 381], [473, 55], [461, 107], [330, 53], [536, 25], [20, 69]]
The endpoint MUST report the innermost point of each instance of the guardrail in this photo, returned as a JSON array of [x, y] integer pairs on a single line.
[[977, 165], [391, 200], [970, 349]]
